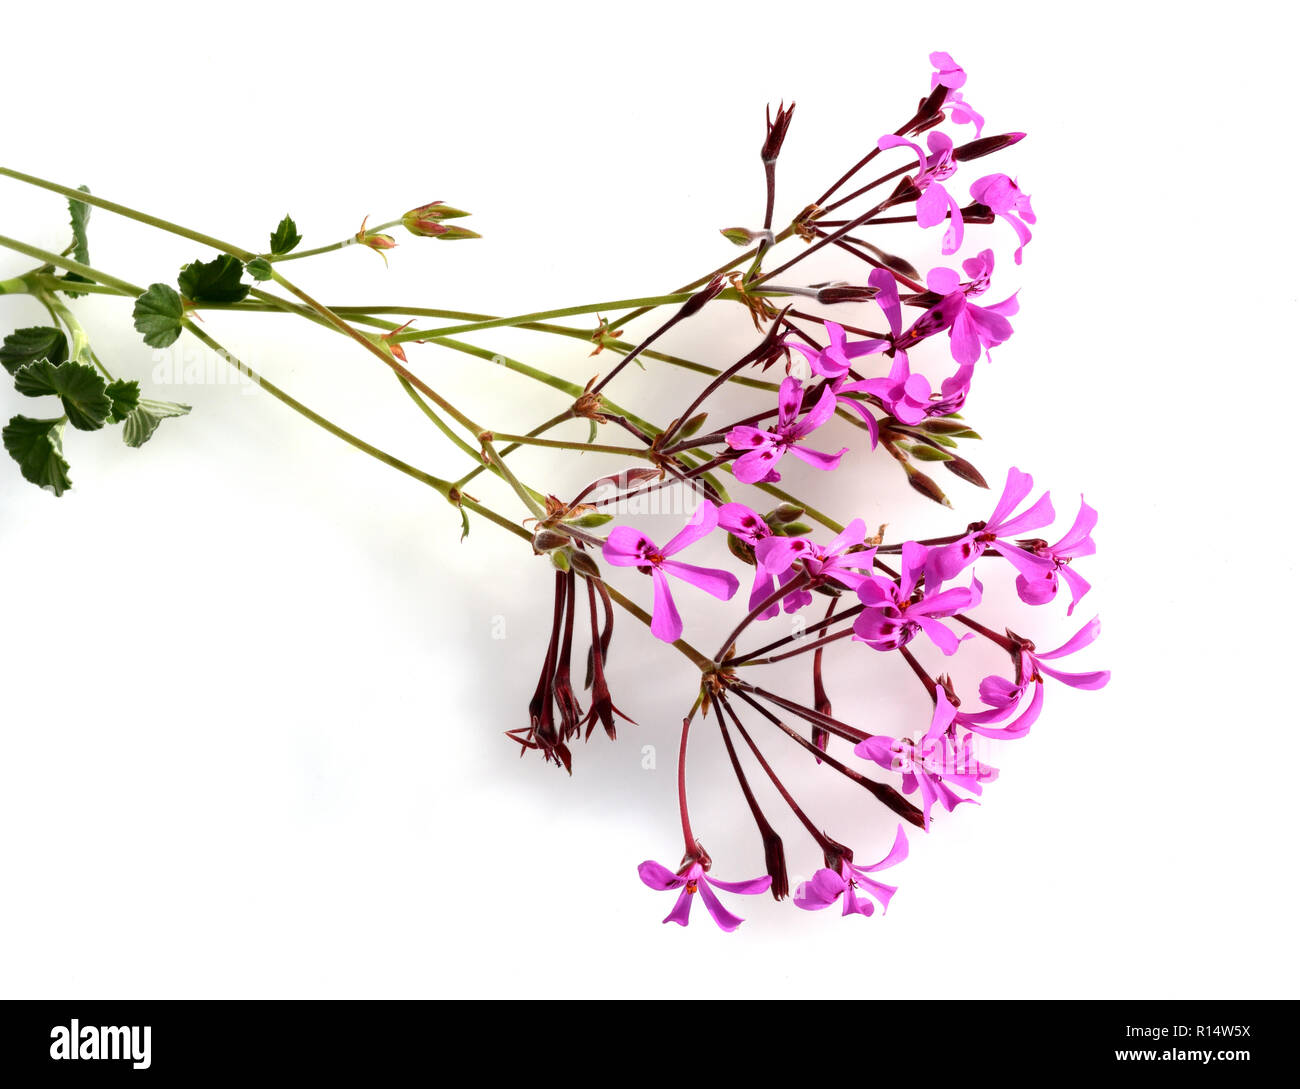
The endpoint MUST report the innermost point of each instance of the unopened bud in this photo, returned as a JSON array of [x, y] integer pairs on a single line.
[[706, 294], [964, 469], [743, 236], [784, 514], [424, 219], [830, 294], [546, 540], [925, 485], [448, 234], [584, 565], [375, 241], [986, 145], [776, 130]]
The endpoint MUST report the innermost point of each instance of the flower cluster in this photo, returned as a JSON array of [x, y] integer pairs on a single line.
[[880, 597], [824, 394]]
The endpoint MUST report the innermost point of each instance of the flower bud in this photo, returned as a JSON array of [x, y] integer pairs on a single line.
[[830, 294], [547, 540], [776, 130], [425, 219], [448, 234], [960, 467], [986, 145], [923, 484], [375, 241], [743, 236]]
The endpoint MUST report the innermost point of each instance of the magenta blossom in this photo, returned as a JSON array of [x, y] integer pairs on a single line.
[[907, 397], [828, 885], [765, 449], [933, 762], [948, 73], [1042, 588], [833, 361], [1002, 697], [1004, 198], [891, 618], [843, 561], [935, 204], [945, 562], [746, 525], [626, 547], [695, 880], [973, 327]]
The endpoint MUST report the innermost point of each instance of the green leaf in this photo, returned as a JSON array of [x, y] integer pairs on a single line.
[[29, 345], [259, 268], [85, 398], [285, 237], [126, 399], [37, 446], [143, 420], [158, 313], [80, 213], [215, 281]]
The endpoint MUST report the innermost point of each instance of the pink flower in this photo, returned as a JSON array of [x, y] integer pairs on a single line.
[[1038, 589], [828, 885], [891, 618], [973, 327], [695, 880], [1002, 697], [833, 360], [907, 397], [746, 525], [947, 561], [935, 203], [950, 74], [831, 563], [765, 449], [1004, 198], [626, 547], [932, 763]]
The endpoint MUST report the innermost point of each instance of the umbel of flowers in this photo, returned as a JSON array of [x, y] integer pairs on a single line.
[[832, 396]]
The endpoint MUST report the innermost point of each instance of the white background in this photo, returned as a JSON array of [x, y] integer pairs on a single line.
[[251, 738]]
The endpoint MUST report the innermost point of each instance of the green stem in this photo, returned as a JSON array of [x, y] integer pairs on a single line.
[[442, 487], [352, 241], [129, 213], [563, 444]]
